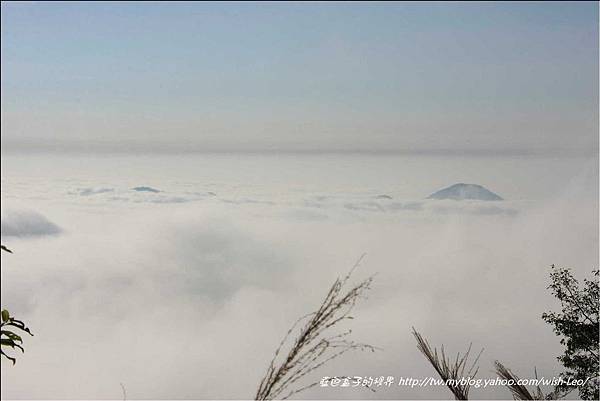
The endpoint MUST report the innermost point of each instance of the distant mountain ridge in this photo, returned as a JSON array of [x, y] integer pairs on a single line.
[[465, 191], [145, 189]]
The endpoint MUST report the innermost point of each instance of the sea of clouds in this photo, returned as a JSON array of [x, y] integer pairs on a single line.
[[184, 291]]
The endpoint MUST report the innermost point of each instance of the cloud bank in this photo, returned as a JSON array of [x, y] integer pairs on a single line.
[[189, 300], [27, 224], [192, 303]]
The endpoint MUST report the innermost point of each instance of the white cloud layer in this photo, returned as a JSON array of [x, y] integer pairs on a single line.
[[189, 300]]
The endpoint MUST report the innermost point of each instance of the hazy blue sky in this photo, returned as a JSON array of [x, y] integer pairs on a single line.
[[301, 76]]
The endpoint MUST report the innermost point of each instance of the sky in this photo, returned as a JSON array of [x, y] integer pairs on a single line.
[[459, 77]]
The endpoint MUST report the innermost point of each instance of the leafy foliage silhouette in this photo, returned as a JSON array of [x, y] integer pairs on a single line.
[[577, 325], [8, 335]]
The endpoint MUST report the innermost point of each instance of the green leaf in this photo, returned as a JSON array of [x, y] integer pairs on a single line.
[[12, 336], [13, 360], [10, 343], [18, 324], [5, 315]]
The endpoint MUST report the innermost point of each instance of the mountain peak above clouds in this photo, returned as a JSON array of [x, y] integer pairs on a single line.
[[465, 191]]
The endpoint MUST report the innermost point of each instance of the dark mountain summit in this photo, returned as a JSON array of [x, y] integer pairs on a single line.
[[145, 189]]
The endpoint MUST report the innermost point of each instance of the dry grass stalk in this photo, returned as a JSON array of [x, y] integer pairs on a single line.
[[124, 391], [451, 371], [311, 349], [520, 392]]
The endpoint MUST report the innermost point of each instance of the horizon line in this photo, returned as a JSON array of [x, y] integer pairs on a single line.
[[130, 147]]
